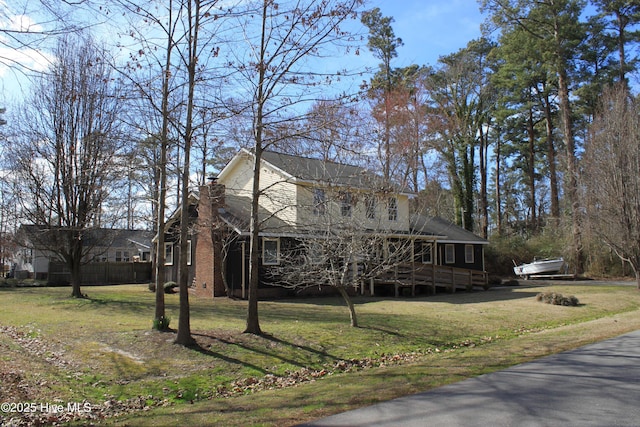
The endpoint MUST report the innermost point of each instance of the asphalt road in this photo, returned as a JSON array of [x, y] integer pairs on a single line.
[[595, 385]]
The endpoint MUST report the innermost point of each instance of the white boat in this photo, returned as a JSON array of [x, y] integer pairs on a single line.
[[540, 266]]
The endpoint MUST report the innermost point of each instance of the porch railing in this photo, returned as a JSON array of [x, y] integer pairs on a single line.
[[431, 276]]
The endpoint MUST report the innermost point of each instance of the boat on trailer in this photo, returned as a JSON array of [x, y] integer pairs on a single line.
[[546, 266]]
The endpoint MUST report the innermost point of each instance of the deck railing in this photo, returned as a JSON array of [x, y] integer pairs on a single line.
[[431, 276]]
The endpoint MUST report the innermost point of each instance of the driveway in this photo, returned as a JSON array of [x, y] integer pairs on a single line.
[[595, 385]]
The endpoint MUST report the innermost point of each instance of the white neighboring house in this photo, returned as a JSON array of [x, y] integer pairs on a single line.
[[33, 258]]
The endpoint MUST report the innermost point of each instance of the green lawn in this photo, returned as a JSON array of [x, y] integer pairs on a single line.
[[309, 364]]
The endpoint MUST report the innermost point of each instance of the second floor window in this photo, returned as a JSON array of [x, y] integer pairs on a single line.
[[393, 209], [370, 206], [319, 202]]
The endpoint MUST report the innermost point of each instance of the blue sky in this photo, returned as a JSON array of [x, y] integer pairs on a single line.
[[430, 28]]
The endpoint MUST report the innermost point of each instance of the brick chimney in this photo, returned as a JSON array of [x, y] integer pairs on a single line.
[[208, 279]]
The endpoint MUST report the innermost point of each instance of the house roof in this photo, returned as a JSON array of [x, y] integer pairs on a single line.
[[238, 215], [309, 170], [123, 238], [40, 235], [446, 230]]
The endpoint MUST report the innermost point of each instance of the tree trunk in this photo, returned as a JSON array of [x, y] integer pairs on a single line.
[[468, 171], [532, 170], [184, 324], [76, 292], [551, 159], [484, 202], [572, 165], [498, 191], [253, 323], [74, 262], [160, 322], [352, 310], [458, 195]]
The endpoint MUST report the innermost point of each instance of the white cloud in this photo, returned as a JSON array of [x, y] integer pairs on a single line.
[[17, 54], [23, 23]]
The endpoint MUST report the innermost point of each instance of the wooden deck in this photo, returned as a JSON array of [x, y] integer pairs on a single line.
[[429, 276]]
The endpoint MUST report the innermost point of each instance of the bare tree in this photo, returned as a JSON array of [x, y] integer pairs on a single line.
[[172, 58], [144, 88], [273, 67], [344, 255], [332, 131], [612, 162], [65, 158], [194, 11]]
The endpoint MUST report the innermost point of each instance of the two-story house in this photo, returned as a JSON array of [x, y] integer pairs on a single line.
[[302, 198]]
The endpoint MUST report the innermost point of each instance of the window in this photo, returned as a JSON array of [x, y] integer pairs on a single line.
[[449, 254], [28, 256], [188, 252], [425, 253], [468, 254], [270, 251], [370, 206], [393, 209], [122, 256], [319, 202], [346, 203], [168, 253]]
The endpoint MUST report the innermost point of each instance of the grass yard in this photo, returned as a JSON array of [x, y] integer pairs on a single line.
[[101, 351]]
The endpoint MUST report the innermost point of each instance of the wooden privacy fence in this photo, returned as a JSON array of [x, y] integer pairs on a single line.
[[413, 276], [102, 273]]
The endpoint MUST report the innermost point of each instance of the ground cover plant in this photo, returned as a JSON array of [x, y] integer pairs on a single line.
[[101, 354], [557, 299]]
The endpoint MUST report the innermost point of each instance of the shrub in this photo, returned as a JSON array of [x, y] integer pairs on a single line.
[[161, 324], [169, 287], [557, 299]]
